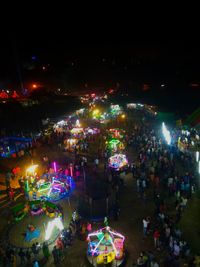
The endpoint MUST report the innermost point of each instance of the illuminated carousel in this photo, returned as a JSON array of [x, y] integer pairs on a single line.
[[115, 145], [118, 162], [52, 187], [105, 247], [116, 133], [34, 221]]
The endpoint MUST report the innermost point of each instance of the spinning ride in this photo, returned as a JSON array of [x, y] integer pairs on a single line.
[[118, 162], [105, 246]]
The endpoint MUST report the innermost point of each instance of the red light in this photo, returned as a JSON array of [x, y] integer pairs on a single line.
[[34, 85], [194, 84]]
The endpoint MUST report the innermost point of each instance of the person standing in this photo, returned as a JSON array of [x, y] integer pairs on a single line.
[[28, 256], [156, 236], [22, 256], [13, 261], [154, 264], [11, 194], [55, 255], [145, 225], [36, 264], [96, 162], [35, 250], [89, 227], [45, 250]]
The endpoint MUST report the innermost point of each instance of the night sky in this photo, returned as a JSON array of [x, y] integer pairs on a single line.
[[77, 61]]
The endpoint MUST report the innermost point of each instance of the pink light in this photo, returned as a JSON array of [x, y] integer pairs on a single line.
[[112, 243], [56, 188], [71, 170], [117, 234], [54, 166]]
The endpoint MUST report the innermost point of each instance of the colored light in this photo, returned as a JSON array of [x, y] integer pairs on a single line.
[[34, 85], [31, 169], [95, 112], [98, 244], [108, 235], [71, 170], [48, 184], [51, 225], [77, 130], [71, 141], [114, 142], [118, 161], [54, 166], [123, 116]]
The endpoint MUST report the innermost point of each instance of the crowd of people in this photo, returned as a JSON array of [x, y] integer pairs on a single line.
[[161, 170], [162, 173]]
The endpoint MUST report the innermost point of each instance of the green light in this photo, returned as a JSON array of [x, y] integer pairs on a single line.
[[26, 186], [114, 142], [44, 187]]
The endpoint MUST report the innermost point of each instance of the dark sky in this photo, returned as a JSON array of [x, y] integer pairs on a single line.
[[125, 58]]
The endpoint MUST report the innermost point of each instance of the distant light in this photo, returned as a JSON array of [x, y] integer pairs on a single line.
[[192, 143], [123, 116], [44, 68], [187, 133], [58, 89], [34, 85], [162, 85], [197, 156], [166, 134], [8, 91], [199, 167], [33, 57], [78, 123], [31, 169], [55, 167], [95, 112]]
